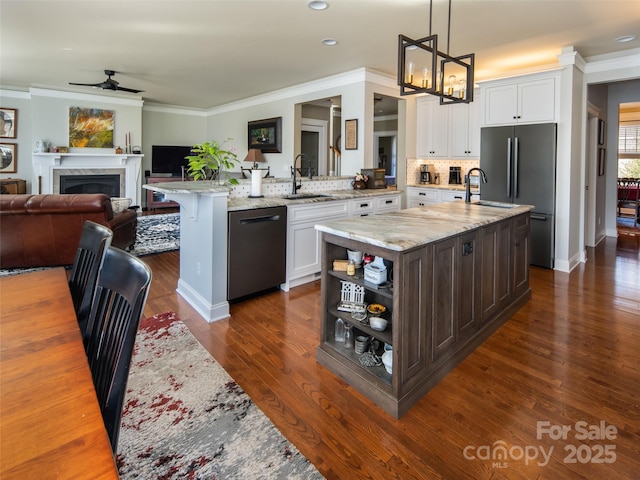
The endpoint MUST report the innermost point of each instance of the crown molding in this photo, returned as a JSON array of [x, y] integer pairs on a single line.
[[87, 97], [21, 94], [620, 60], [309, 88], [173, 109]]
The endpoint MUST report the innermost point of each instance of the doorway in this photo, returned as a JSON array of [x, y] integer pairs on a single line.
[[318, 136], [313, 145], [385, 135]]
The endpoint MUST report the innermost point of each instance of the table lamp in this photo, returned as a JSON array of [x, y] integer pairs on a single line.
[[255, 155]]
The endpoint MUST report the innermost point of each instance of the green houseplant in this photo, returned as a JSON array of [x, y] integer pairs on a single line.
[[210, 159]]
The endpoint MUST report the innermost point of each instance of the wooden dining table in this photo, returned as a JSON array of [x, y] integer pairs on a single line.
[[50, 420]]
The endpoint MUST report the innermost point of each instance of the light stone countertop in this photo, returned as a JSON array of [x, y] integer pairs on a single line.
[[414, 227], [446, 186], [247, 203]]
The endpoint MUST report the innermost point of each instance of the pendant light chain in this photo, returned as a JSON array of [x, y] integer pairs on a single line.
[[449, 28]]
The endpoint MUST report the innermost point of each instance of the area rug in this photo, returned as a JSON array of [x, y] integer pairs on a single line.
[[155, 234], [185, 417]]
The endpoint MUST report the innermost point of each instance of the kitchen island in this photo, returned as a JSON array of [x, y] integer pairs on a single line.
[[458, 271], [204, 209]]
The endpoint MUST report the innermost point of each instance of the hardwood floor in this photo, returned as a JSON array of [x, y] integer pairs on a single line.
[[570, 355]]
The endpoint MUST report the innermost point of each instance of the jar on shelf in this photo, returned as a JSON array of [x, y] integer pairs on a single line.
[[339, 331], [348, 336]]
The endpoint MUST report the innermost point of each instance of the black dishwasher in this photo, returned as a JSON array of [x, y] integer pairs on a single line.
[[257, 245]]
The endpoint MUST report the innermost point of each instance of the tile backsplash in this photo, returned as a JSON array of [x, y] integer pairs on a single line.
[[440, 167], [282, 186]]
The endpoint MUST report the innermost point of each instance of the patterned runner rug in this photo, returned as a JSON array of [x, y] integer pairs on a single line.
[[185, 417]]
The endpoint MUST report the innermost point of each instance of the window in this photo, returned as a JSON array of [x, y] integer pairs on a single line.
[[629, 140]]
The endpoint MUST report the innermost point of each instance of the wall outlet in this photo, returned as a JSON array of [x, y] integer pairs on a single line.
[[198, 269], [286, 168]]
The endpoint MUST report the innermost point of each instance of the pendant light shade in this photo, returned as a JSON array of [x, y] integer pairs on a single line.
[[422, 68]]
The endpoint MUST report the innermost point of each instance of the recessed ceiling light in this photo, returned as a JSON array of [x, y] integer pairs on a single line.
[[317, 5], [329, 41], [626, 38]]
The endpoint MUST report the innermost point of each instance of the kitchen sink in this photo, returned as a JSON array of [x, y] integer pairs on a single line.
[[486, 203], [305, 196]]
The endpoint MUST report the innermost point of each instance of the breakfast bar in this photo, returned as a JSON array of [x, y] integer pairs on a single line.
[[455, 272]]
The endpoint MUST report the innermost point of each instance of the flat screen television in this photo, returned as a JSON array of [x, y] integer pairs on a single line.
[[169, 159]]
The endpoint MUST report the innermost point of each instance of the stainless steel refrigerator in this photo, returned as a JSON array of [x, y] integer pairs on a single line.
[[520, 163]]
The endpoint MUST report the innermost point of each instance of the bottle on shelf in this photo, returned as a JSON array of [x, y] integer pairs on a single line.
[[339, 330], [348, 336], [351, 268]]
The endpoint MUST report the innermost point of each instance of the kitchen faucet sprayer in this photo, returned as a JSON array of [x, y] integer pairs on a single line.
[[467, 182]]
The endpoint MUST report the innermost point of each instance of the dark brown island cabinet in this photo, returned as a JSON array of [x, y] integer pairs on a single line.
[[450, 290]]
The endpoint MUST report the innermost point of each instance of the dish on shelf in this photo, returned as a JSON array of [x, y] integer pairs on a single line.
[[378, 323], [359, 316], [376, 309], [387, 360]]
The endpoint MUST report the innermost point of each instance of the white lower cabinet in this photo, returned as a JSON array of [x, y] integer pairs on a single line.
[[387, 203], [421, 196], [450, 195], [303, 240]]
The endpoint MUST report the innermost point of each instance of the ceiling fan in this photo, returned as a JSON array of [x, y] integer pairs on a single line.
[[108, 84]]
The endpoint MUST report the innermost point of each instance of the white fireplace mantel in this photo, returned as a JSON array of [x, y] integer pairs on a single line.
[[45, 164]]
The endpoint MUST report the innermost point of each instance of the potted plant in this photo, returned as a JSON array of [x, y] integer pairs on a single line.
[[209, 159], [359, 181]]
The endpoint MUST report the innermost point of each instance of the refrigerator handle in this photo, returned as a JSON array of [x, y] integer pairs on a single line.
[[538, 217], [509, 150], [516, 156]]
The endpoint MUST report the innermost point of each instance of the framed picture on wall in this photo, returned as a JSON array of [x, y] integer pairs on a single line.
[[601, 155], [600, 132], [351, 134], [8, 122], [9, 162], [265, 135]]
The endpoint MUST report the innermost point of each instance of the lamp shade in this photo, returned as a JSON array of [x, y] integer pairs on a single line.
[[254, 155]]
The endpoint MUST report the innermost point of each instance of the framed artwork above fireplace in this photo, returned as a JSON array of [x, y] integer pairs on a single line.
[[91, 127]]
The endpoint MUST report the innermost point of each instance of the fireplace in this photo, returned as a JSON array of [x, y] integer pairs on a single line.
[[108, 184], [117, 175]]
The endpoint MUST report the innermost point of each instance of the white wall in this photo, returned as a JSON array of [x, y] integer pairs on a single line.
[[44, 115], [22, 103], [170, 126], [355, 89]]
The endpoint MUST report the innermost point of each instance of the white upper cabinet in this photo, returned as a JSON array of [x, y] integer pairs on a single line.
[[465, 129], [432, 128], [524, 100], [448, 131]]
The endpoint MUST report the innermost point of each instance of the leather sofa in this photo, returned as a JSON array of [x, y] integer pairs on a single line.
[[44, 230]]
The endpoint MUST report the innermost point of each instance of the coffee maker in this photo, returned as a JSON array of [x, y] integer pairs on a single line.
[[455, 176], [425, 175]]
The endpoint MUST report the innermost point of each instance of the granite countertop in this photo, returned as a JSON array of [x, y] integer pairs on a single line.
[[414, 227], [446, 186], [247, 203]]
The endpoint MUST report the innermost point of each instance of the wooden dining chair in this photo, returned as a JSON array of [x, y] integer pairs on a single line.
[[94, 241], [121, 293]]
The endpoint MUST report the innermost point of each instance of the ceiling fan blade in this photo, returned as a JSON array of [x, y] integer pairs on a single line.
[[87, 84], [130, 90]]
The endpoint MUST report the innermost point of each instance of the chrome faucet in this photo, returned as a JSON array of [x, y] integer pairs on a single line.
[[467, 182], [296, 186]]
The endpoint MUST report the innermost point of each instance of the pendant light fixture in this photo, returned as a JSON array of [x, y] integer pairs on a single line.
[[422, 68]]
